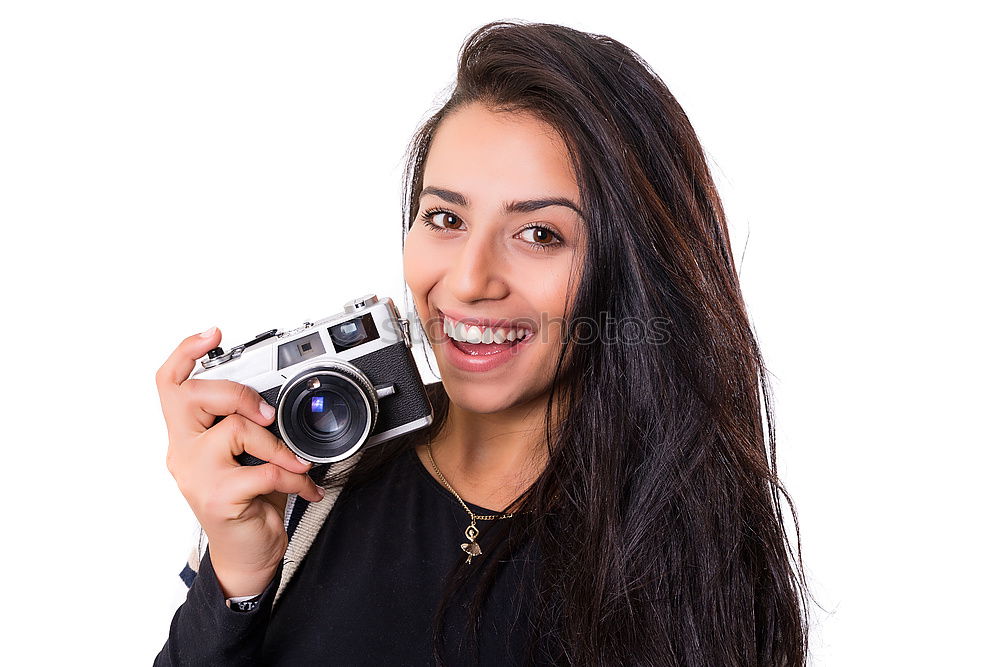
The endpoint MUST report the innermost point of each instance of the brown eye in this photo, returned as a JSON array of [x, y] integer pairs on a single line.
[[445, 220], [540, 236]]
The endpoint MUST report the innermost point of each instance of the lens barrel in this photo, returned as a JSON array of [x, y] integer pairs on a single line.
[[326, 412]]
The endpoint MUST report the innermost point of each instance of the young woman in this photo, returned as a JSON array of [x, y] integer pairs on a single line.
[[598, 487]]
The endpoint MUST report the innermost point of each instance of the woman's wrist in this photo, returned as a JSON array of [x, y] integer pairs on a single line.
[[237, 583]]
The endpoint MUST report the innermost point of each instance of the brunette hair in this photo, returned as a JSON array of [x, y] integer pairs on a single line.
[[667, 545]]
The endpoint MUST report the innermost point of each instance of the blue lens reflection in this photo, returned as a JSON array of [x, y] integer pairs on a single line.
[[317, 404]]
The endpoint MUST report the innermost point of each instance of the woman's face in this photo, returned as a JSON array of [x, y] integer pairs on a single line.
[[494, 244]]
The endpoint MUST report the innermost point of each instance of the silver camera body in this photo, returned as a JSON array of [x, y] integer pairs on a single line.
[[338, 385]]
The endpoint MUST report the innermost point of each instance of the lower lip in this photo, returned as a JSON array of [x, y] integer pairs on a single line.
[[480, 363]]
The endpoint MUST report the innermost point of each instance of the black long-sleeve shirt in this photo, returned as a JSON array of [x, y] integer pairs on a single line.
[[366, 592]]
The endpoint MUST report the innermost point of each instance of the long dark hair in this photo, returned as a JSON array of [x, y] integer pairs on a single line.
[[658, 520]]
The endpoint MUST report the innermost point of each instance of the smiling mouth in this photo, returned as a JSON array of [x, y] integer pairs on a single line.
[[479, 340]]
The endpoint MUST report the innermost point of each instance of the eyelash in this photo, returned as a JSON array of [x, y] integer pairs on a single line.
[[428, 215]]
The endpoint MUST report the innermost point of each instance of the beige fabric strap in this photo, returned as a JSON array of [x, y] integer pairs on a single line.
[[198, 550]]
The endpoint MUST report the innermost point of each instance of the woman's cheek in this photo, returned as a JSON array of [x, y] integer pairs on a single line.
[[546, 288], [416, 264]]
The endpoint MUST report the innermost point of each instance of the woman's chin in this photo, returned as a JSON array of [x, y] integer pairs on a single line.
[[481, 399]]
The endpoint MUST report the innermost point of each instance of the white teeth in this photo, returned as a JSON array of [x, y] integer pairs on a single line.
[[467, 333]]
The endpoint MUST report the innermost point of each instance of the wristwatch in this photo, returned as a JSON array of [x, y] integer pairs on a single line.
[[244, 602]]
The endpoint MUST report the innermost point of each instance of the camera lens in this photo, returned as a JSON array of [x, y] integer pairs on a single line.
[[326, 412]]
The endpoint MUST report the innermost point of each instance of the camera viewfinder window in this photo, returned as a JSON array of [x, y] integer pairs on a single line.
[[300, 349], [352, 333]]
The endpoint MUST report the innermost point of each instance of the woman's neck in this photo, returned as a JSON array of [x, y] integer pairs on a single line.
[[490, 459]]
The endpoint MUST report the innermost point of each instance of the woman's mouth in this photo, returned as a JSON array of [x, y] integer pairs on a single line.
[[483, 338], [482, 346]]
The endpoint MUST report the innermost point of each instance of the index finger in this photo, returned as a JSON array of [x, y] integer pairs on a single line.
[[180, 363]]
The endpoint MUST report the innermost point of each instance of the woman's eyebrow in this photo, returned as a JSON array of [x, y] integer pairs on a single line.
[[525, 206]]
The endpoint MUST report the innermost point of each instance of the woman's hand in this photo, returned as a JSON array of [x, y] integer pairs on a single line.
[[239, 507]]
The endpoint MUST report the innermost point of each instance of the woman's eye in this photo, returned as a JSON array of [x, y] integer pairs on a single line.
[[443, 219], [539, 236]]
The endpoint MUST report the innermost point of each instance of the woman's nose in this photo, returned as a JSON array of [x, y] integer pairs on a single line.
[[477, 271]]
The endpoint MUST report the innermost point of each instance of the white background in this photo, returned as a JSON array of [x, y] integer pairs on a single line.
[[172, 166]]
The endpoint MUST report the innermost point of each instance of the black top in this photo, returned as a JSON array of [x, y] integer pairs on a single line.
[[367, 590]]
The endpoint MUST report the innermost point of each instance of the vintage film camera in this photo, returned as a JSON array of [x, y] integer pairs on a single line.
[[337, 385]]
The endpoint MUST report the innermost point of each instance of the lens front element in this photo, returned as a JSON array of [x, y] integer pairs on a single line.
[[328, 415]]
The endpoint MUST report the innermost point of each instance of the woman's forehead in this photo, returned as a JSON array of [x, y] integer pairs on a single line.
[[499, 156]]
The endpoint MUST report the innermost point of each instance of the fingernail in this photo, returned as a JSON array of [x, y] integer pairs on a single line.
[[208, 333], [303, 461], [266, 410], [321, 491]]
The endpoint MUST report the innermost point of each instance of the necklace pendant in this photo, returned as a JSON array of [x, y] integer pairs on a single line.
[[471, 548]]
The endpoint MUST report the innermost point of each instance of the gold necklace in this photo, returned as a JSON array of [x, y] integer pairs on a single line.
[[471, 533]]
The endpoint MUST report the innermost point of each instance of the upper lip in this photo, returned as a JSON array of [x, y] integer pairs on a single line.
[[492, 323]]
